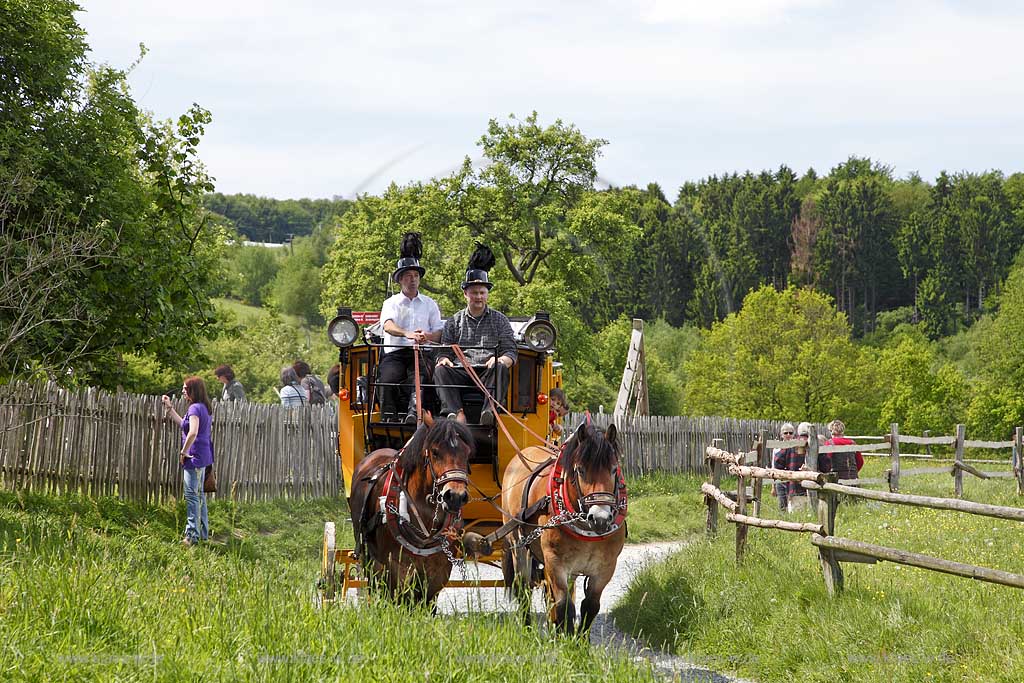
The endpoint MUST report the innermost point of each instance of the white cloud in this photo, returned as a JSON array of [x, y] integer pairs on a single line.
[[303, 85], [726, 12]]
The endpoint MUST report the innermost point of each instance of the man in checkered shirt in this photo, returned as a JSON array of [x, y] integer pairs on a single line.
[[481, 326]]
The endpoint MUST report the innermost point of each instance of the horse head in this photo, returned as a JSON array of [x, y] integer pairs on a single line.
[[441, 450], [592, 459]]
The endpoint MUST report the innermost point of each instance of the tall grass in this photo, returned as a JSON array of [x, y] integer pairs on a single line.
[[773, 620], [101, 590]]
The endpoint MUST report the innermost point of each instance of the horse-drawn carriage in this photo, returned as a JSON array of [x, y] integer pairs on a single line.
[[426, 495]]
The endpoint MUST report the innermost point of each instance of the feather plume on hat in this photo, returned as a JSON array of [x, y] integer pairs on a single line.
[[480, 262], [412, 246], [410, 251], [482, 258]]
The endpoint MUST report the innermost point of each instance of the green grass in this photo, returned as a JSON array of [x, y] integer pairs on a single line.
[[772, 620], [657, 511], [102, 590], [247, 314]]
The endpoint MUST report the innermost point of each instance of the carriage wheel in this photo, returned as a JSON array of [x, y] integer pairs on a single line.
[[327, 572]]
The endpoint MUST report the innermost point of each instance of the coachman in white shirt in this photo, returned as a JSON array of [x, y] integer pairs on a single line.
[[409, 317]]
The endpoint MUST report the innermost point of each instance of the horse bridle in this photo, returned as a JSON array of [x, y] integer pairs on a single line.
[[585, 502], [449, 475]]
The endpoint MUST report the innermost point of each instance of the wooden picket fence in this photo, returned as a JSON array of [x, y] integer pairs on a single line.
[[824, 492], [99, 443], [675, 444]]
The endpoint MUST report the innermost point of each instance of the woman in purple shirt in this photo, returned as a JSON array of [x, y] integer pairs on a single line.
[[195, 456]]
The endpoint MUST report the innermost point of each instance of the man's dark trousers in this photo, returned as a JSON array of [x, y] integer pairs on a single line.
[[397, 368], [451, 396]]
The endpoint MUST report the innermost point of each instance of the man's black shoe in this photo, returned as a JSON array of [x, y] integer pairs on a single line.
[[410, 419], [487, 418]]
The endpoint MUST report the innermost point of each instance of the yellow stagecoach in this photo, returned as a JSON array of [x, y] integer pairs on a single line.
[[362, 430]]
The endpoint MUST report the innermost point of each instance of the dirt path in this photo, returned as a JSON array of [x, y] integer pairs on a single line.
[[604, 631]]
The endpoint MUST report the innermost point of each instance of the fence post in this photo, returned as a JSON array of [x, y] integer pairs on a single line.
[[716, 481], [1018, 456], [741, 508], [927, 446], [830, 567], [811, 462], [894, 454], [763, 455], [958, 473]]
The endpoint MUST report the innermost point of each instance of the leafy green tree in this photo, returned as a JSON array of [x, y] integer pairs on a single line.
[[853, 249], [533, 199], [263, 219], [783, 355], [920, 391], [86, 173], [254, 269], [998, 404]]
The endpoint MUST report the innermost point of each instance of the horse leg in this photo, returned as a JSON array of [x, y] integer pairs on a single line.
[[591, 604], [561, 609]]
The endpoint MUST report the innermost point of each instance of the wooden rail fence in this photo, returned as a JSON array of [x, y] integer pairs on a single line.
[[675, 444], [888, 446], [100, 443], [824, 494]]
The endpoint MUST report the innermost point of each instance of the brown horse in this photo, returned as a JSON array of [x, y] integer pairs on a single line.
[[406, 510], [581, 498]]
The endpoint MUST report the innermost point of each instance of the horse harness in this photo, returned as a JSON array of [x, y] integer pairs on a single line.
[[558, 504], [416, 538]]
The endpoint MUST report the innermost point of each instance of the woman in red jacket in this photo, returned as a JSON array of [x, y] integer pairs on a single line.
[[846, 465]]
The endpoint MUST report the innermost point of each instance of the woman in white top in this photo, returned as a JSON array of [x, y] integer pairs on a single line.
[[292, 394]]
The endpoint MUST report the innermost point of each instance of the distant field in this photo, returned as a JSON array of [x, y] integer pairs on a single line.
[[772, 619], [246, 313]]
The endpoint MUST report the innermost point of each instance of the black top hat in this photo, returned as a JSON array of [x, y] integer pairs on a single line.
[[480, 262], [411, 251]]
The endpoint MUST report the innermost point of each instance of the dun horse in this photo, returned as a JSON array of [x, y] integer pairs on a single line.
[[406, 510], [573, 511]]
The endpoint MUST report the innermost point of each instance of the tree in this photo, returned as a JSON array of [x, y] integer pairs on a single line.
[[998, 404], [920, 391], [89, 174], [534, 199], [853, 250], [783, 355]]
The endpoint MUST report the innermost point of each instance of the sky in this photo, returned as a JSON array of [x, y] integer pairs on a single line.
[[318, 98]]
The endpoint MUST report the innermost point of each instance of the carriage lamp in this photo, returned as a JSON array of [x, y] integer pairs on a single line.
[[343, 395], [343, 331], [539, 334], [542, 399]]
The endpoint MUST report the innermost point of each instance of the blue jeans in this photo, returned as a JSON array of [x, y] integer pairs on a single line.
[[197, 520]]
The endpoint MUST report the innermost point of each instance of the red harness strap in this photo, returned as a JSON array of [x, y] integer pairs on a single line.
[[562, 501]]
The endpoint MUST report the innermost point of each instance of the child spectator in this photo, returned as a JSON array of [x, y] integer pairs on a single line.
[[559, 409]]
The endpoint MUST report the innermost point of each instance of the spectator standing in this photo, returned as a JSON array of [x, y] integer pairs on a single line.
[[316, 392], [334, 379], [781, 488], [793, 459], [292, 394], [233, 389], [845, 465], [195, 456]]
